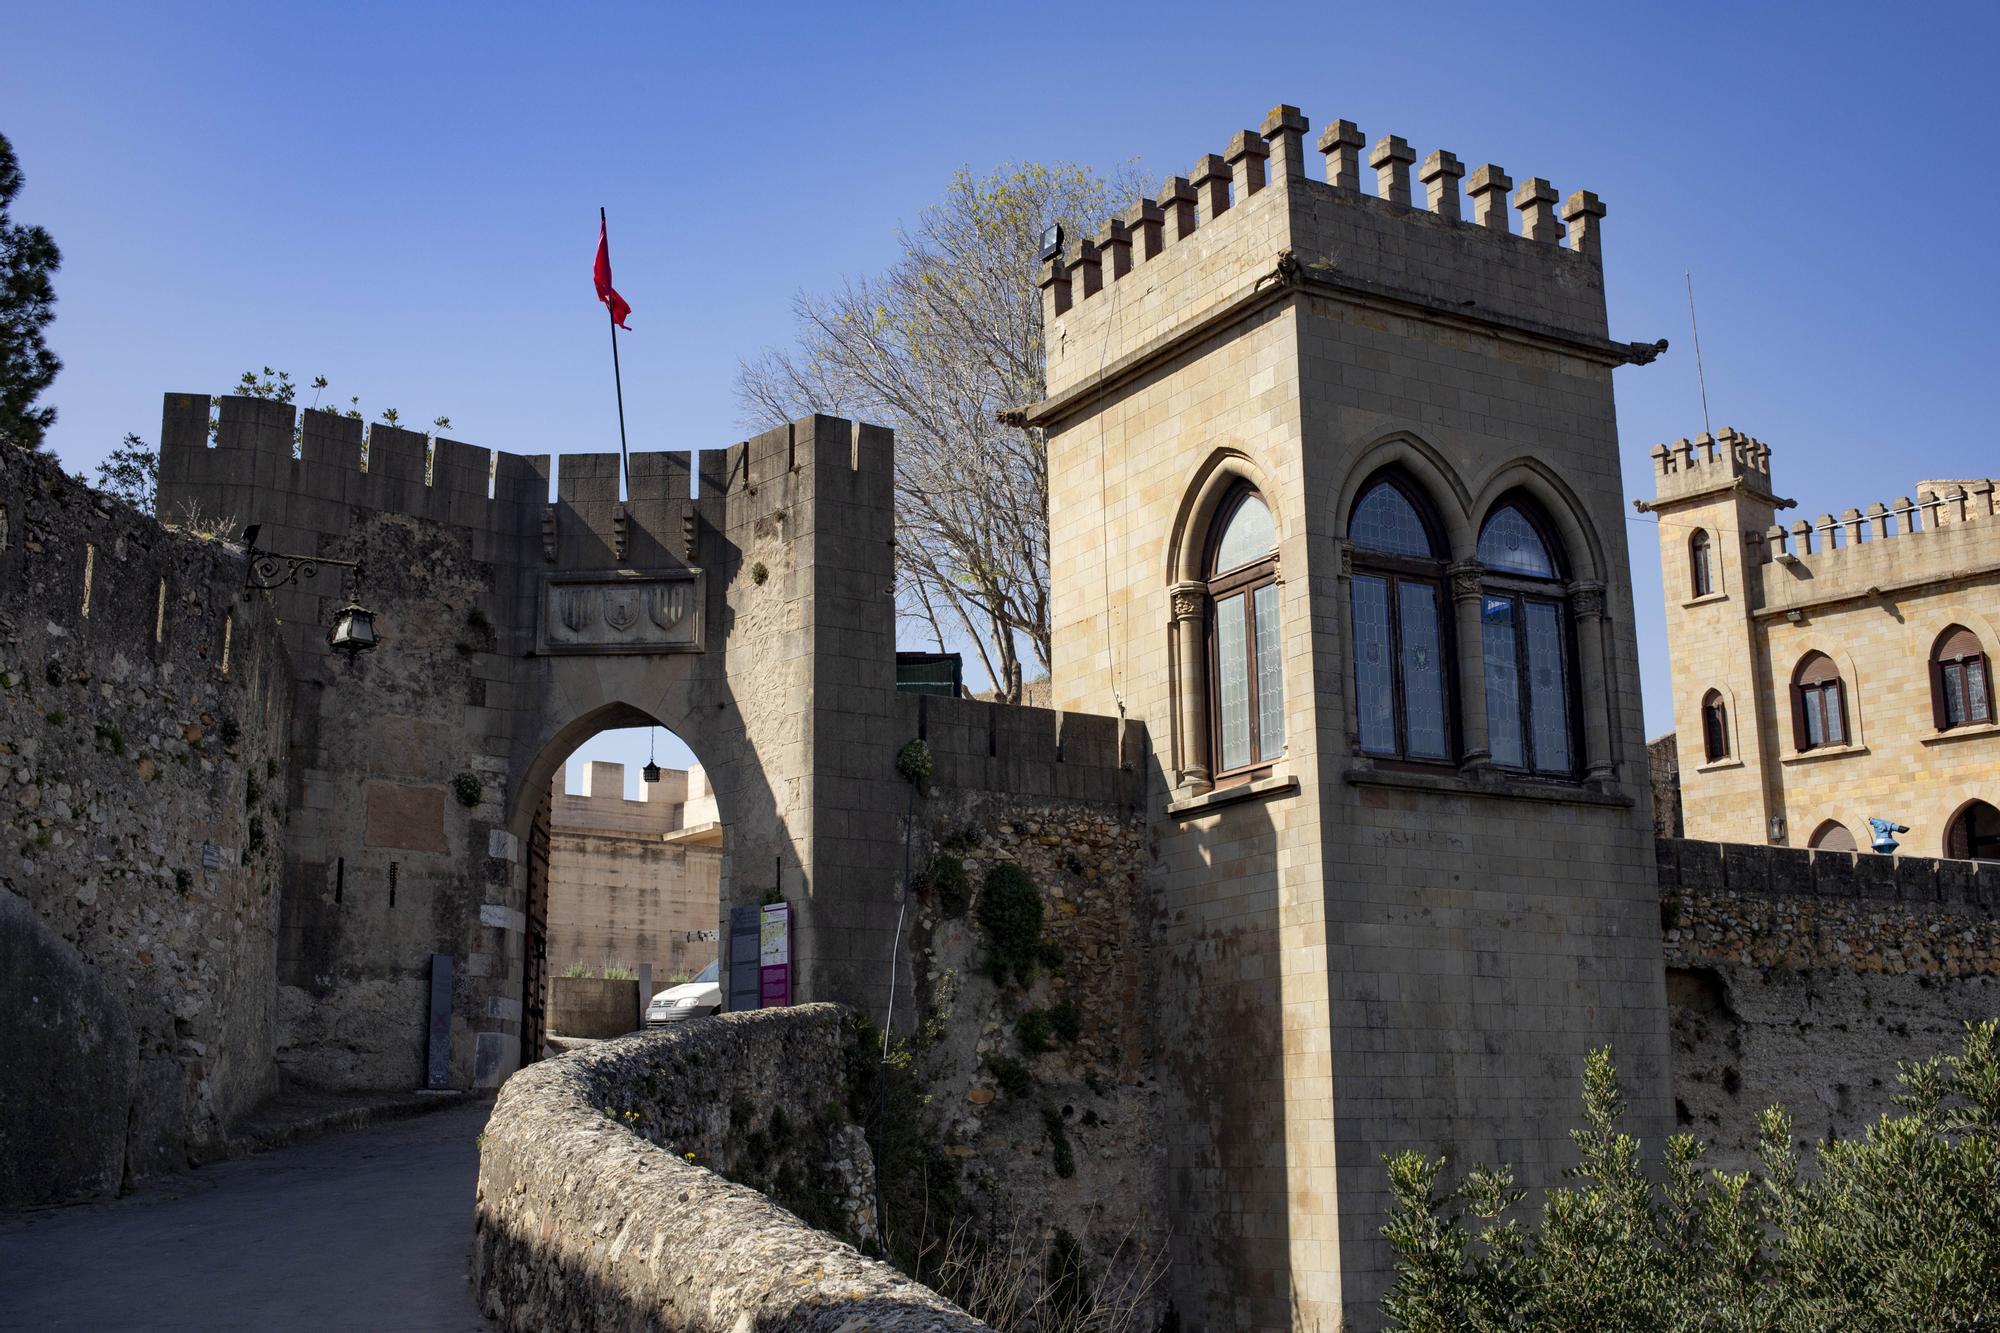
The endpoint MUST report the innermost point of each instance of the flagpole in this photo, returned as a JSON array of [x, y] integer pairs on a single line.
[[624, 457]]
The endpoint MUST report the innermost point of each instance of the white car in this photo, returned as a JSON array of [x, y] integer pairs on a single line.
[[690, 999]]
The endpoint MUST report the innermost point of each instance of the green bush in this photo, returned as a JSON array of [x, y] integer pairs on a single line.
[[576, 970], [1066, 1022], [1010, 914], [620, 974], [944, 882], [1897, 1230], [1032, 1028], [468, 788]]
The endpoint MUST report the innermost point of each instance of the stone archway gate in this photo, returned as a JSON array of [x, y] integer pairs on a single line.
[[755, 618]]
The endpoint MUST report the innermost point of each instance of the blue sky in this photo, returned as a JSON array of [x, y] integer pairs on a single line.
[[403, 198]]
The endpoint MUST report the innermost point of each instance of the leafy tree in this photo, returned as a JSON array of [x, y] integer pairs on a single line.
[[936, 347], [1897, 1230], [27, 304], [132, 473]]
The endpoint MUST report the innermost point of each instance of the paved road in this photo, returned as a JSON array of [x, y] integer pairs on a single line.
[[370, 1229]]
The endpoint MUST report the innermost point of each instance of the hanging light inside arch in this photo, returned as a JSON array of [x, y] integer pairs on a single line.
[[651, 772]]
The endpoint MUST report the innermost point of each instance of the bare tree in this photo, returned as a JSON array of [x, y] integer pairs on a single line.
[[936, 347]]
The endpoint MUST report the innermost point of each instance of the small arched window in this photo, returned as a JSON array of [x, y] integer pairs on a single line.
[[1700, 574], [1961, 680], [1819, 703], [1401, 659], [1246, 699], [1525, 641], [1832, 836], [1714, 726], [1974, 833]]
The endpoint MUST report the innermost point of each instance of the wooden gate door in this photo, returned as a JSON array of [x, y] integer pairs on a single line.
[[535, 951]]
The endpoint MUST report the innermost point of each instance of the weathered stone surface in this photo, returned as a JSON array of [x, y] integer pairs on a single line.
[[144, 704], [596, 1209], [1804, 977]]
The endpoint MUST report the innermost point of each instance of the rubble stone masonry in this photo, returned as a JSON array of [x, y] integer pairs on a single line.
[[144, 783]]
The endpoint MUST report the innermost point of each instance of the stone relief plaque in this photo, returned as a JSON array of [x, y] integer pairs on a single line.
[[619, 612]]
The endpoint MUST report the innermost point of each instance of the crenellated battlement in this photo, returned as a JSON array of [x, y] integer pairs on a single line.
[[1273, 157], [299, 473], [1253, 216], [1707, 463], [1933, 513]]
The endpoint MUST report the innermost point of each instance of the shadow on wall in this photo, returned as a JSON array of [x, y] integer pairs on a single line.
[[1221, 1038]]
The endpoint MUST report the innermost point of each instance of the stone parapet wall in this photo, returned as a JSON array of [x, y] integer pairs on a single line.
[[597, 1207], [144, 703], [1804, 977]]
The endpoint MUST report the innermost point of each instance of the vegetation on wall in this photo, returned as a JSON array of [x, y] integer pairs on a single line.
[[1898, 1230], [1010, 918]]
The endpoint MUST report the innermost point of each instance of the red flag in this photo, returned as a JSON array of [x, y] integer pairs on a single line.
[[601, 273]]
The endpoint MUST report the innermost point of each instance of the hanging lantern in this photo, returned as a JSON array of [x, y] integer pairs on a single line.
[[353, 631], [651, 772]]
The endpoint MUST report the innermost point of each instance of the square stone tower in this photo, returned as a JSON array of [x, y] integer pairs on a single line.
[[1335, 510]]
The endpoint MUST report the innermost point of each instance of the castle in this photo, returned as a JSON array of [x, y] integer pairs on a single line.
[[1835, 670], [1346, 715]]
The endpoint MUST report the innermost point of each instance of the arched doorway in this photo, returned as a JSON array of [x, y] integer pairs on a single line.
[[1832, 836], [627, 870], [1973, 833]]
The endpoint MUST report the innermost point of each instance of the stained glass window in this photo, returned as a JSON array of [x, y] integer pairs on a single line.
[[1249, 536], [1510, 543], [1525, 646], [1374, 675], [1247, 688], [1402, 691], [1386, 521]]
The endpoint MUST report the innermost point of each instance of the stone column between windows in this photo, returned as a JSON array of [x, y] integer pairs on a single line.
[[1475, 745], [1190, 605], [1586, 601]]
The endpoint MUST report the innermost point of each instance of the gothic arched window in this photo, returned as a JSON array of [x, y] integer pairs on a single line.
[[1974, 833], [1246, 698], [1714, 726], [1832, 836], [1819, 703], [1961, 679], [1525, 638], [1401, 626], [1700, 574]]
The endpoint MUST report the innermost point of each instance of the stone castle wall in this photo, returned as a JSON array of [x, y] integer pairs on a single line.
[[144, 705], [1803, 977], [1070, 1138], [633, 882]]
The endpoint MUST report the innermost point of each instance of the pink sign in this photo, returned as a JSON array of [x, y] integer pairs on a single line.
[[774, 956]]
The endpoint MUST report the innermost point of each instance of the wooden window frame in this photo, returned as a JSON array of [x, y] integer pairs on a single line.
[[1395, 570], [1700, 567], [1811, 685], [1942, 668], [1246, 580], [1714, 727]]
